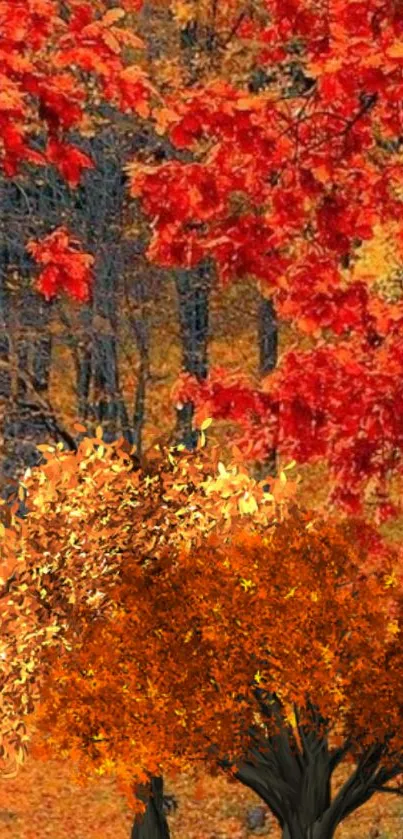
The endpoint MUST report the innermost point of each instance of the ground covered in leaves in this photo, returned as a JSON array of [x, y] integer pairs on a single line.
[[42, 801]]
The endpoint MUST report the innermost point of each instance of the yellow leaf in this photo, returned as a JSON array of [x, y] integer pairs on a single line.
[[206, 423], [291, 719], [245, 103], [99, 432], [290, 465], [291, 593], [327, 654], [283, 478], [247, 584], [247, 504], [130, 39], [183, 12]]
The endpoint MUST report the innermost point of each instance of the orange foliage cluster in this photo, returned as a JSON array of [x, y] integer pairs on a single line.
[[290, 616], [90, 513], [146, 625]]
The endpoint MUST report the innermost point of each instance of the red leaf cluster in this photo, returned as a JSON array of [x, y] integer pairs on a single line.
[[65, 267]]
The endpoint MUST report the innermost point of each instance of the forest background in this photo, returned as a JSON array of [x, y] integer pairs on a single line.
[[62, 362]]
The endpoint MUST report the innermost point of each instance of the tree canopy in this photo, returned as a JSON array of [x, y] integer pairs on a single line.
[[90, 512], [272, 654]]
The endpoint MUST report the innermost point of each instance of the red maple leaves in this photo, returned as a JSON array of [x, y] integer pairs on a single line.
[[299, 176], [42, 57], [341, 402], [284, 186], [65, 267]]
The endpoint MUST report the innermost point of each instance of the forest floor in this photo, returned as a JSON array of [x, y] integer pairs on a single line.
[[43, 801]]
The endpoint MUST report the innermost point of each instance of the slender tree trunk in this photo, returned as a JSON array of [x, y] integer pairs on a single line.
[[25, 342], [153, 824], [141, 333], [28, 351], [193, 288], [5, 374], [103, 203], [268, 357]]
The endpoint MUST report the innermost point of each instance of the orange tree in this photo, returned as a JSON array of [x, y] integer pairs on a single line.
[[269, 653], [88, 513]]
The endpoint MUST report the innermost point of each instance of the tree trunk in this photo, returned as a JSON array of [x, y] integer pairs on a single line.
[[193, 289], [268, 356], [101, 197], [153, 824], [316, 831], [25, 342], [27, 348]]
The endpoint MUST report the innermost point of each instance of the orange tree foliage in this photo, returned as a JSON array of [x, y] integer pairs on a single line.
[[90, 513], [273, 654]]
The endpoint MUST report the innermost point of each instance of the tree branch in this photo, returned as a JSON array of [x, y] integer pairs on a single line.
[[395, 790], [54, 424]]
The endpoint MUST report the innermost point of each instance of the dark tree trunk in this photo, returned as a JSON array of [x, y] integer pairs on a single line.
[[294, 779], [316, 831], [268, 357], [153, 824], [101, 196], [141, 333], [27, 348], [29, 208], [5, 373], [193, 289]]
